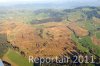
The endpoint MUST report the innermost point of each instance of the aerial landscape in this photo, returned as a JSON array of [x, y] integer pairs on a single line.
[[50, 29]]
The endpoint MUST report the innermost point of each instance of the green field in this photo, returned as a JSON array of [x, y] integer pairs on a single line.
[[18, 59], [98, 35], [79, 45], [87, 42]]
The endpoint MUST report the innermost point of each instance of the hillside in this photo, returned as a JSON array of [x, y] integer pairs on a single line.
[[50, 33]]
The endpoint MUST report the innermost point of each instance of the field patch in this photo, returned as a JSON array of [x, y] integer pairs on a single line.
[[18, 59], [98, 35]]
